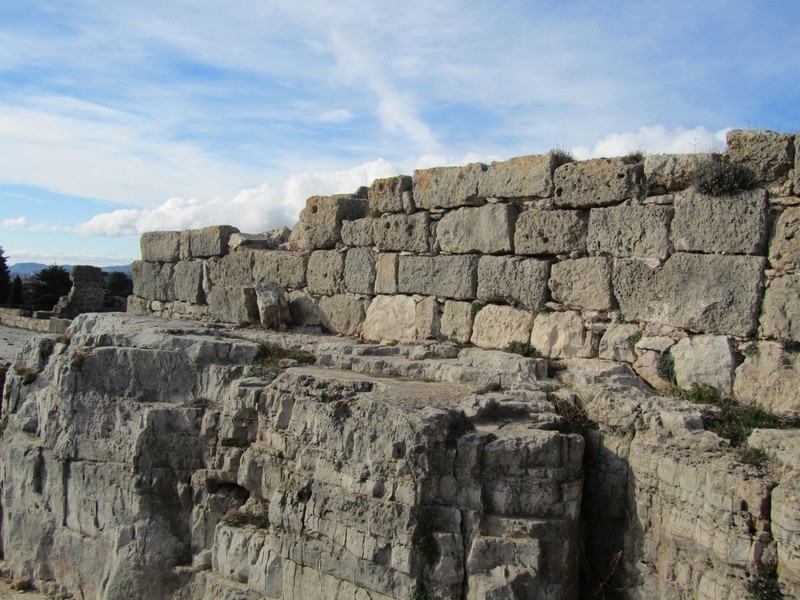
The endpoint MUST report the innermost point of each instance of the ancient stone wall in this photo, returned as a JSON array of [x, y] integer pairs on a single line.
[[87, 293], [615, 258]]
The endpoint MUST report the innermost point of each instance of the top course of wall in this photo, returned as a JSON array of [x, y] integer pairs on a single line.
[[624, 259]]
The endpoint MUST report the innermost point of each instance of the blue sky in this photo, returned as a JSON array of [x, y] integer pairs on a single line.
[[123, 117]]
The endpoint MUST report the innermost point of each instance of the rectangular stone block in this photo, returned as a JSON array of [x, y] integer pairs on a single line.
[[233, 304], [726, 225], [391, 195], [448, 187], [780, 314], [402, 233], [359, 271], [448, 276], [784, 248], [705, 293], [235, 268], [160, 246], [597, 182], [428, 318], [520, 177], [153, 281], [456, 323], [487, 230], [189, 282], [325, 272], [386, 273], [358, 233], [562, 335], [287, 269], [667, 173], [342, 314], [513, 280], [550, 232], [391, 318], [626, 231], [320, 222], [207, 242], [768, 153], [583, 283], [498, 326]]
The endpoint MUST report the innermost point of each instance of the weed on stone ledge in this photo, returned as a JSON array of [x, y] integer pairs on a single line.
[[489, 388], [426, 545], [790, 345], [28, 375], [666, 367], [751, 349], [755, 457], [717, 177], [476, 307], [420, 593], [764, 588], [270, 355], [523, 349], [561, 156], [236, 518], [576, 419]]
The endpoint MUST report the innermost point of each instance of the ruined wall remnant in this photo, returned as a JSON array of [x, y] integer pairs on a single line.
[[87, 293]]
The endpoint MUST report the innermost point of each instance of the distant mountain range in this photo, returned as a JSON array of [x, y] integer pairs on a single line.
[[23, 269]]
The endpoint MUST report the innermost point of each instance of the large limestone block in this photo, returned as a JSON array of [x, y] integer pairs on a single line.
[[704, 360], [320, 222], [429, 318], [273, 307], [618, 342], [666, 173], [784, 248], [706, 293], [189, 282], [391, 195], [268, 240], [487, 230], [562, 335], [449, 276], [287, 269], [550, 232], [769, 378], [343, 313], [386, 273], [206, 242], [448, 187], [161, 246], [153, 281], [727, 224], [769, 154], [391, 318], [513, 280], [627, 231], [325, 272], [497, 326], [780, 313], [304, 308], [235, 268], [456, 323], [583, 283], [520, 177], [785, 527], [358, 233], [597, 182], [402, 233], [359, 271], [233, 304]]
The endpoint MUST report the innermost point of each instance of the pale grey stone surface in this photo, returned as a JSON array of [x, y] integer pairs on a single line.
[[273, 307], [207, 242], [705, 293], [448, 276], [233, 304], [727, 224], [304, 308], [618, 342], [408, 233], [498, 326], [342, 313], [513, 280], [671, 172], [359, 271], [520, 177], [784, 248], [550, 231], [153, 280], [188, 282], [160, 246], [597, 182], [487, 229], [358, 233], [320, 222], [386, 273], [562, 335], [704, 360], [269, 240], [582, 283], [456, 322], [235, 268], [780, 313], [626, 231], [770, 379], [769, 154], [448, 187], [391, 318], [387, 195], [287, 269], [428, 318], [325, 273]]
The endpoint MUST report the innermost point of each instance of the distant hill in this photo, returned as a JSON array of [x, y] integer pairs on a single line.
[[23, 269]]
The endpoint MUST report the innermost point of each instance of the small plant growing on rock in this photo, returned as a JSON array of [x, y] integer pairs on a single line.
[[666, 367], [238, 518], [523, 349], [764, 588], [790, 345], [635, 338], [476, 307], [28, 375], [64, 339], [426, 545], [270, 355], [751, 349], [634, 157], [752, 456], [576, 419], [420, 593], [490, 388], [78, 359], [719, 177], [561, 156]]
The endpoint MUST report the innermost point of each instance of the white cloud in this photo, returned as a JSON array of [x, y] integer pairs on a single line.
[[18, 223], [335, 116], [656, 139]]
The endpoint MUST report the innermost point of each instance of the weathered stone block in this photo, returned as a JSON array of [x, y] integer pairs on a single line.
[[487, 230], [627, 231], [391, 318], [391, 195], [448, 187], [304, 308], [707, 293], [667, 173], [235, 268], [320, 222], [287, 269], [160, 246], [358, 233], [386, 273], [273, 307], [618, 342], [562, 335], [513, 280], [497, 326], [727, 225], [770, 379], [153, 281], [456, 323], [520, 177], [206, 242], [704, 360], [582, 283], [550, 232], [597, 182], [428, 319], [769, 154], [342, 314], [269, 240], [359, 271], [402, 233], [325, 272], [233, 304], [449, 276], [784, 249], [780, 313], [189, 282]]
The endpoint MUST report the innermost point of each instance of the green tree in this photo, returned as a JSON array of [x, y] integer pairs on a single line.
[[15, 297], [118, 284], [5, 278], [48, 286]]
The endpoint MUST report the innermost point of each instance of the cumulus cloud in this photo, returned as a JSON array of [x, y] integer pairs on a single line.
[[254, 209], [18, 223], [656, 139]]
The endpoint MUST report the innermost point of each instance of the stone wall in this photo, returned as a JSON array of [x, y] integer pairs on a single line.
[[15, 317], [87, 293], [613, 258]]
